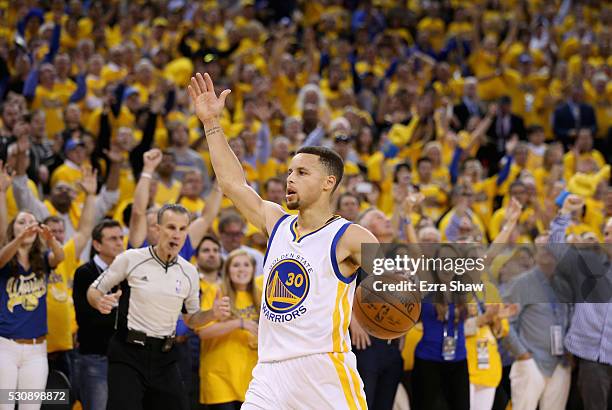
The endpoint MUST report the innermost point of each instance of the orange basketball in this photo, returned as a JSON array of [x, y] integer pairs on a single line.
[[385, 313]]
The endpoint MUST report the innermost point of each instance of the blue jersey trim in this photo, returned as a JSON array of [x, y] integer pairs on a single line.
[[276, 225], [334, 260]]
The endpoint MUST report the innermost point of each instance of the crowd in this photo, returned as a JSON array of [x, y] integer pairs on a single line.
[[485, 121]]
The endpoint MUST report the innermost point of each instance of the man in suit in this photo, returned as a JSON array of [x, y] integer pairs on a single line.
[[95, 329], [573, 115], [504, 126], [470, 105]]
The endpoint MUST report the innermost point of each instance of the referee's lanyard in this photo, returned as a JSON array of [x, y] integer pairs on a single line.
[[449, 343], [556, 330]]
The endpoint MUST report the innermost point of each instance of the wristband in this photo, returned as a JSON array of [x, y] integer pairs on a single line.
[[146, 175]]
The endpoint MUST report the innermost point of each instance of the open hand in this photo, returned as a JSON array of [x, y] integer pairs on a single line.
[[6, 177], [89, 182], [202, 91]]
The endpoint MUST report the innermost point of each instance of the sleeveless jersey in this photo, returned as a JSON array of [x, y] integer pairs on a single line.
[[306, 302]]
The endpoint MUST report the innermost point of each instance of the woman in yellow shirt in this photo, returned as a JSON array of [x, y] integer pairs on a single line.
[[229, 349]]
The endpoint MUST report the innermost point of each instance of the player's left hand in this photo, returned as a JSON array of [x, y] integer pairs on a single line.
[[207, 104], [221, 307]]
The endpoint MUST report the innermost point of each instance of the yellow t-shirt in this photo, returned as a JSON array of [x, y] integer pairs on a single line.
[[499, 217], [569, 162], [226, 362], [194, 206], [490, 375], [61, 319], [127, 184], [52, 102], [11, 205], [168, 195]]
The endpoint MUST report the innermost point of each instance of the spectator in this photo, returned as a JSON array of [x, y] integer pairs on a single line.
[[231, 232], [95, 329], [229, 348], [540, 376], [572, 115], [24, 267]]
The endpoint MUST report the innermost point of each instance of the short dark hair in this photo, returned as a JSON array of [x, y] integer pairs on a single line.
[[96, 234], [54, 219], [399, 166], [230, 218], [211, 238], [176, 208], [272, 180], [331, 161], [534, 128], [423, 159], [345, 195]]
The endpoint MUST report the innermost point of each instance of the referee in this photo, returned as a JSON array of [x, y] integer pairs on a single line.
[[155, 285]]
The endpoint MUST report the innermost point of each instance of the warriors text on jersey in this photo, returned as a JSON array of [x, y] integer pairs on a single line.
[[306, 304]]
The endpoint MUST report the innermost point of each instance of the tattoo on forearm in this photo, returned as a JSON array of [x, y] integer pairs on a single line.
[[213, 130]]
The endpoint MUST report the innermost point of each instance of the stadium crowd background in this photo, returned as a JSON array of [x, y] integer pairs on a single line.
[[442, 111]]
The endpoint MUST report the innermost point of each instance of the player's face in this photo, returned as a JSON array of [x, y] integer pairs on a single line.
[[241, 271], [307, 179], [173, 231]]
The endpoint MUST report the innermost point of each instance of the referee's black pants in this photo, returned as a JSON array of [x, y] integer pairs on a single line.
[[143, 377]]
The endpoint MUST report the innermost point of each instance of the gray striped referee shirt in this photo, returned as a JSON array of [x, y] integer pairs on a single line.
[[155, 292]]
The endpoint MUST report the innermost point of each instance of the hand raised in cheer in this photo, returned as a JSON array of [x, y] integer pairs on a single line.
[[221, 307], [6, 177], [572, 203], [89, 181], [202, 91], [513, 212], [152, 158]]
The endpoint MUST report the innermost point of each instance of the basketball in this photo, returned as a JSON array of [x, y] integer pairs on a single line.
[[386, 314]]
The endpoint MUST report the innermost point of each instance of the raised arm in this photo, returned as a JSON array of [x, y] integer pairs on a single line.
[[89, 184], [24, 197], [138, 218], [198, 228], [56, 254], [10, 249], [5, 182], [229, 172]]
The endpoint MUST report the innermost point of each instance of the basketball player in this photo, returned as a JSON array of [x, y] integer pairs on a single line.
[[310, 267]]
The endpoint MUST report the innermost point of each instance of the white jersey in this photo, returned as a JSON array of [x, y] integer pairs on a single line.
[[306, 303]]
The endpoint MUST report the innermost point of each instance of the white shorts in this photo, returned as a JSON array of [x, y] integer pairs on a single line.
[[319, 381]]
